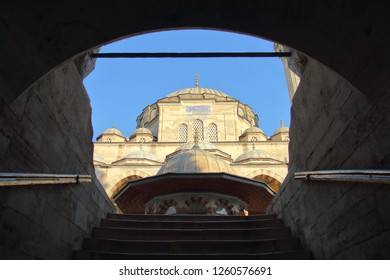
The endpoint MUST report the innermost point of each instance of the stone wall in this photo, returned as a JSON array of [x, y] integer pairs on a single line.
[[48, 130], [334, 126]]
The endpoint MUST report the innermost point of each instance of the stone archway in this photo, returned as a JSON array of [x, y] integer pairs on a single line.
[[66, 31], [119, 181], [271, 178]]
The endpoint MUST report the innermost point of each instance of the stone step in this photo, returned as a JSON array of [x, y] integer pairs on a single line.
[[114, 216], [283, 255], [190, 234], [191, 246], [220, 224], [191, 237]]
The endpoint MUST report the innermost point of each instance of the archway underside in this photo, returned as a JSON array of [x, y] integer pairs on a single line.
[[119, 185], [270, 181], [54, 42]]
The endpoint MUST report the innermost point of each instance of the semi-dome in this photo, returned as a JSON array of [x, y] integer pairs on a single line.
[[196, 160], [113, 130], [204, 145], [253, 154], [141, 154], [197, 90]]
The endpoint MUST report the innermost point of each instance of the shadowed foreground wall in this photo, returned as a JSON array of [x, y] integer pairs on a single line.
[[48, 130], [334, 126]]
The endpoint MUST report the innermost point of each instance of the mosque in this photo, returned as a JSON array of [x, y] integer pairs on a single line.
[[196, 150]]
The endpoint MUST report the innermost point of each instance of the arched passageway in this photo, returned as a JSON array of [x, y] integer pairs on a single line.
[[333, 33], [339, 115]]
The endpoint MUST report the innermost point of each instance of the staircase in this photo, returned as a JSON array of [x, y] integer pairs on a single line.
[[191, 237]]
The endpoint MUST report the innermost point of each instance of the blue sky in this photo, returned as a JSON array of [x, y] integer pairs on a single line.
[[120, 88]]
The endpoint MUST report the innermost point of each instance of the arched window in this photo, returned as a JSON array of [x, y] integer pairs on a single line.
[[254, 139], [213, 132], [197, 127], [183, 133]]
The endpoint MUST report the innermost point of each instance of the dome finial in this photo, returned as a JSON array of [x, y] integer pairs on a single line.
[[281, 123], [196, 80]]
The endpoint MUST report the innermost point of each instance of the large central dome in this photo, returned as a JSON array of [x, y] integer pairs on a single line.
[[197, 91]]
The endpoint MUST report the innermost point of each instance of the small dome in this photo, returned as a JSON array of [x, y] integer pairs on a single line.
[[141, 154], [204, 145], [199, 91], [142, 130], [282, 129], [254, 154], [196, 160], [253, 129], [113, 130]]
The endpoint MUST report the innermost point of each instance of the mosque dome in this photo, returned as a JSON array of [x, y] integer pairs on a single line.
[[282, 129], [253, 133], [281, 134], [142, 130], [197, 91], [141, 134], [253, 129], [253, 154], [204, 145], [196, 160], [141, 154], [113, 130]]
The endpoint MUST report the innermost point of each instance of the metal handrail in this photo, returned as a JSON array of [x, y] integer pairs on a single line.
[[358, 175], [25, 179]]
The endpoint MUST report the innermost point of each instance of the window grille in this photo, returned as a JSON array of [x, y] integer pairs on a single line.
[[198, 128], [213, 132], [183, 132]]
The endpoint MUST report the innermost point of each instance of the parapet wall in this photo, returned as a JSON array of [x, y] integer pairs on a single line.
[[48, 130], [334, 126]]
